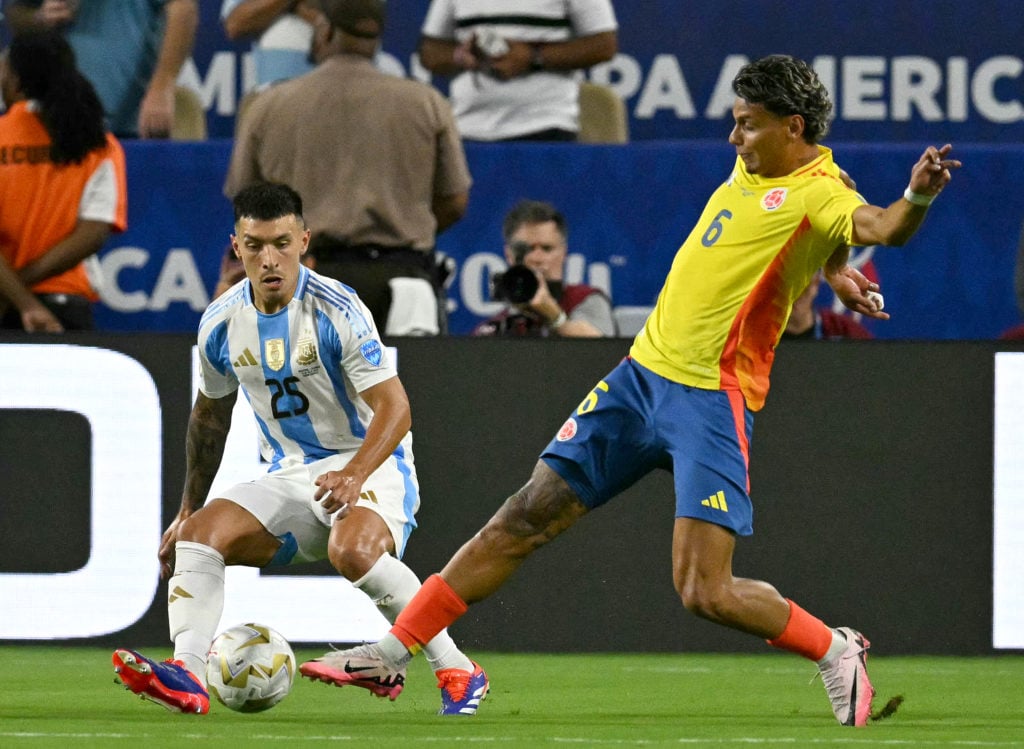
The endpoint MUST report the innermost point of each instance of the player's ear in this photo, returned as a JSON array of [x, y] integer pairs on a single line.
[[797, 124]]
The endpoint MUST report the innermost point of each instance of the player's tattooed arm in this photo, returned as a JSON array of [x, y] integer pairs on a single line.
[[204, 447], [208, 427]]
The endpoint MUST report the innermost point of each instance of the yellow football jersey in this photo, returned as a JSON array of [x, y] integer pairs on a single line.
[[732, 284]]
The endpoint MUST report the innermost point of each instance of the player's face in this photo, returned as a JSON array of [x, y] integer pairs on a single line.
[[544, 246], [271, 252], [766, 142]]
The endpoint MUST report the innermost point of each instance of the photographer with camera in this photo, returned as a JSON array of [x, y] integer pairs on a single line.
[[540, 305]]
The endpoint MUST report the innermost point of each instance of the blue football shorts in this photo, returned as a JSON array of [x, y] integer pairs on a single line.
[[634, 421]]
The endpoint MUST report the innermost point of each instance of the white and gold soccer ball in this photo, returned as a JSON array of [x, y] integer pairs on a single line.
[[250, 668]]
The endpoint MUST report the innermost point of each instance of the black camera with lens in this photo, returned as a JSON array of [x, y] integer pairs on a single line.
[[518, 284]]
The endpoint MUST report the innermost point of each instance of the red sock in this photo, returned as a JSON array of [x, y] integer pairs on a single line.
[[434, 607], [804, 634]]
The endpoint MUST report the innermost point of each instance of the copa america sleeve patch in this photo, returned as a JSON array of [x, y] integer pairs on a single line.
[[372, 352]]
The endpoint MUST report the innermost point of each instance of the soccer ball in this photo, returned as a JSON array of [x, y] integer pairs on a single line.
[[250, 668]]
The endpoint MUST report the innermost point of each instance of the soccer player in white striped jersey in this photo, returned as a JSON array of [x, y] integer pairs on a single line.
[[334, 423]]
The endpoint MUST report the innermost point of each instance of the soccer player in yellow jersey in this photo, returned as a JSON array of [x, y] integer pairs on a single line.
[[697, 372]]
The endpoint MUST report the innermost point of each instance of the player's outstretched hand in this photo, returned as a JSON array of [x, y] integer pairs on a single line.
[[856, 292], [932, 172]]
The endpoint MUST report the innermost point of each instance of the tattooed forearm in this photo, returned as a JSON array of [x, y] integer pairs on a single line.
[[204, 447]]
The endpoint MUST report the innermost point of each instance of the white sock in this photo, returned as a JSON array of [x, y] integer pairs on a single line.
[[834, 650], [394, 652], [195, 601], [391, 585]]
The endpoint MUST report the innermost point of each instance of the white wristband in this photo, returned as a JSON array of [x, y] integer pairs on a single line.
[[558, 321], [917, 198]]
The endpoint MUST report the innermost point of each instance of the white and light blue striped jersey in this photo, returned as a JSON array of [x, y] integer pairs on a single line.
[[301, 368]]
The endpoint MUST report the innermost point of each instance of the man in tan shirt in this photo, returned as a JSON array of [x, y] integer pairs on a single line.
[[377, 159]]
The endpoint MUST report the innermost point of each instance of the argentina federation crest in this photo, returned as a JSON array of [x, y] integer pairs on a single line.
[[273, 353], [306, 358], [306, 353]]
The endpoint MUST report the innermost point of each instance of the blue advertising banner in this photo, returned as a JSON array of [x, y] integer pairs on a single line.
[[897, 71], [628, 209]]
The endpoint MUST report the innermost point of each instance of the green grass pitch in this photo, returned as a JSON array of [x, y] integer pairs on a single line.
[[65, 697]]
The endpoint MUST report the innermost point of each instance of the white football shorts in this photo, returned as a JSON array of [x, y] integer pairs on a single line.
[[283, 502]]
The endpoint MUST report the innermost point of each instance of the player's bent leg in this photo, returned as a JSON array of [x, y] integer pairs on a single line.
[[702, 571], [168, 684], [540, 511], [537, 513], [219, 534]]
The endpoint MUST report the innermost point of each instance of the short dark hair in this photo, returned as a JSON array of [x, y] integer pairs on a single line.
[[785, 85], [361, 18], [532, 212], [266, 201]]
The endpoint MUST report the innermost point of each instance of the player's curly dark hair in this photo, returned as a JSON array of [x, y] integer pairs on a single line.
[[265, 201], [785, 85], [69, 108]]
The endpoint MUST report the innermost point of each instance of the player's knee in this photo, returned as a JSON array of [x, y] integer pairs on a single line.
[[522, 514], [221, 525], [198, 529], [351, 561], [697, 600], [508, 533], [703, 597], [523, 524], [541, 510], [195, 529]]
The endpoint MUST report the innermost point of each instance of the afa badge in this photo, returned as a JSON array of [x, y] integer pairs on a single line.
[[306, 353], [372, 352], [774, 198]]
